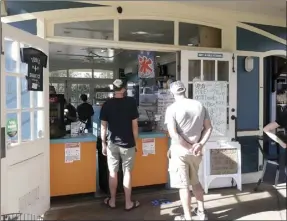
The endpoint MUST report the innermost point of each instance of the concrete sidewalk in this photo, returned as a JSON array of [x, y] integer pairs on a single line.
[[221, 204]]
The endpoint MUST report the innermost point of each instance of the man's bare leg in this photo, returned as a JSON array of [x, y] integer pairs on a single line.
[[113, 184], [185, 198], [198, 193], [127, 183]]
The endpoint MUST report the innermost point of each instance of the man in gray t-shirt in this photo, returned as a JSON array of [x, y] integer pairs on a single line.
[[189, 127]]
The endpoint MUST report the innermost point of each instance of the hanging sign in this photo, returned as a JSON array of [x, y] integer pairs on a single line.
[[146, 64], [148, 146], [209, 55], [12, 127], [36, 61], [72, 152]]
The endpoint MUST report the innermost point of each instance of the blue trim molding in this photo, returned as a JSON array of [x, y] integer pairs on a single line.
[[22, 7], [250, 41]]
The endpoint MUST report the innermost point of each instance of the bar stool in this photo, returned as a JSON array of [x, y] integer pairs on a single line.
[[267, 159]]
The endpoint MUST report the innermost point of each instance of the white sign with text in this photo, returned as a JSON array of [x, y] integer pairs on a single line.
[[213, 95]]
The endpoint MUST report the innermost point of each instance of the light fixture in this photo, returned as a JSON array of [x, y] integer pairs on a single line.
[[189, 44], [249, 64], [157, 56], [139, 33]]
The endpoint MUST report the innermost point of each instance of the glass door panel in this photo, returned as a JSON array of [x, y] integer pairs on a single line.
[[208, 70]]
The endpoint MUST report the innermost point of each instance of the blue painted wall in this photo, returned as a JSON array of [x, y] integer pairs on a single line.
[[28, 26], [248, 89], [250, 41], [21, 7], [275, 30], [247, 96], [249, 154]]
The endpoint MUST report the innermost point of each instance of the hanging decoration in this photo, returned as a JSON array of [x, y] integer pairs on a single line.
[[146, 65], [36, 61]]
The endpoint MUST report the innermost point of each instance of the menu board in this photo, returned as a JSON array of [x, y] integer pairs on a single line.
[[213, 95], [223, 161], [165, 98]]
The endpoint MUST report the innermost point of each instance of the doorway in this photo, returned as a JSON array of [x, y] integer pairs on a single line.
[[275, 79], [213, 67]]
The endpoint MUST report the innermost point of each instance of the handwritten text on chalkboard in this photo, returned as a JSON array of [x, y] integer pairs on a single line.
[[213, 95]]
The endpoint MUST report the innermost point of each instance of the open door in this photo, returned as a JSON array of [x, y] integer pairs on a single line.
[[199, 66], [25, 173]]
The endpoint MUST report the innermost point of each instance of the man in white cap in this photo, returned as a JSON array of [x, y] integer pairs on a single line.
[[189, 127], [119, 115]]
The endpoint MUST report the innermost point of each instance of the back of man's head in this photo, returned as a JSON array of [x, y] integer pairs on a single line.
[[84, 97]]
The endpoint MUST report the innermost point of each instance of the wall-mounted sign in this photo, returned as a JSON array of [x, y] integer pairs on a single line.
[[146, 64], [12, 127], [36, 60], [209, 55]]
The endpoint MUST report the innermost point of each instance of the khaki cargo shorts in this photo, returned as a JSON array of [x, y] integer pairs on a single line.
[[116, 153], [183, 170]]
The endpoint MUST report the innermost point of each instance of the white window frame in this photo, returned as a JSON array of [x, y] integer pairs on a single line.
[[68, 81], [19, 109]]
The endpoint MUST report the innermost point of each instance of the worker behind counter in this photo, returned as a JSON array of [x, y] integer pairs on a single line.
[[85, 111], [70, 113]]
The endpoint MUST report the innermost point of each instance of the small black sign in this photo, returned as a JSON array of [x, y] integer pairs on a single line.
[[36, 60]]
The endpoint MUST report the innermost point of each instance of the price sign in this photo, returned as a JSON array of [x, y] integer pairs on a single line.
[[101, 95]]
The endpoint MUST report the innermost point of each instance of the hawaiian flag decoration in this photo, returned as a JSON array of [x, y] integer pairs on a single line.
[[146, 64]]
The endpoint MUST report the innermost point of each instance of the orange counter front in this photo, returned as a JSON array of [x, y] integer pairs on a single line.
[[69, 177], [151, 169]]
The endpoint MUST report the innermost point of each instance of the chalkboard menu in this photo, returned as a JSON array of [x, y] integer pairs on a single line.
[[223, 161], [213, 95]]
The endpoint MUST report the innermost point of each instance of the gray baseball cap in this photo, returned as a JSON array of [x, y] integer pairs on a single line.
[[177, 87]]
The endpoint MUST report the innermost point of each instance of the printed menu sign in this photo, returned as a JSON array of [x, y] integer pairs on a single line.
[[213, 96], [223, 161], [36, 60]]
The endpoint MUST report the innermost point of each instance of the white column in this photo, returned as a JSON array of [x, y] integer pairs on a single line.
[[116, 29]]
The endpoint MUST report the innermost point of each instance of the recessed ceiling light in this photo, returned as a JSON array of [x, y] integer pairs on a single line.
[[139, 33], [157, 56]]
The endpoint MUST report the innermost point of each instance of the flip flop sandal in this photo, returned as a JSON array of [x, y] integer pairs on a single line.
[[136, 204], [107, 203]]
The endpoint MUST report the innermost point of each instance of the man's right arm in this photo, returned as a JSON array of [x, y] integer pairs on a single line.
[[104, 122], [135, 116], [207, 129], [269, 130]]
